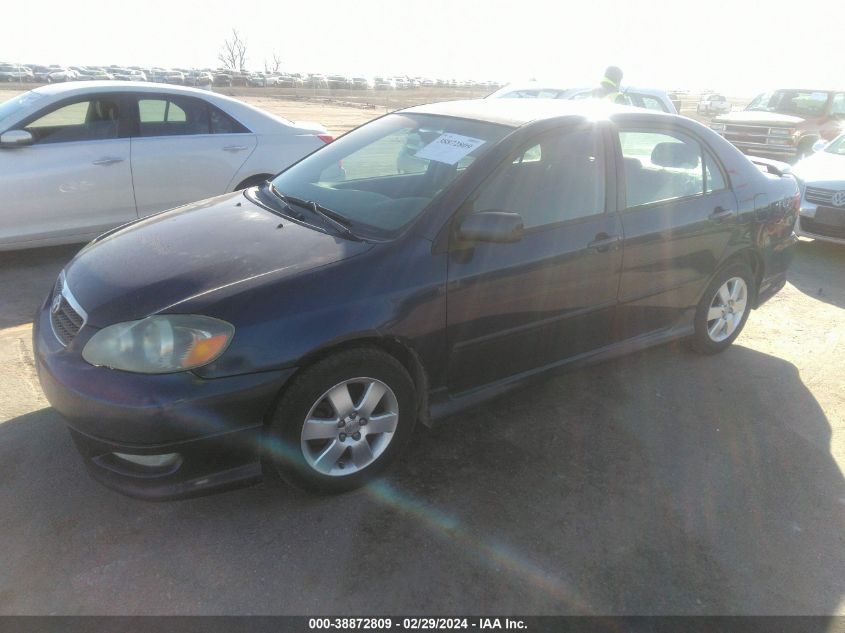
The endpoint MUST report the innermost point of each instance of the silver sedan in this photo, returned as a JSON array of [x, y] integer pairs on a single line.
[[822, 175]]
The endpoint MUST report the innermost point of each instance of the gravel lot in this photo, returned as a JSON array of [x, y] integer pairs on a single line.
[[662, 483]]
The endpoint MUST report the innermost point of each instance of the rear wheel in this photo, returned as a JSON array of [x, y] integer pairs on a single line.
[[342, 421], [724, 309]]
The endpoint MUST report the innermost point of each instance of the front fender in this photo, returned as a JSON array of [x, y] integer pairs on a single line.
[[392, 291]]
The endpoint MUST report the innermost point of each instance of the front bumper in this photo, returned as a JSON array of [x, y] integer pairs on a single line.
[[808, 226], [214, 426]]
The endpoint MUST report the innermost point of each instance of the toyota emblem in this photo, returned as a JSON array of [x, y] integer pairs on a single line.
[[838, 199], [57, 304]]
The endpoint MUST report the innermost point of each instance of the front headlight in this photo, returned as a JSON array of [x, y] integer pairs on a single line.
[[159, 344], [717, 127], [782, 131]]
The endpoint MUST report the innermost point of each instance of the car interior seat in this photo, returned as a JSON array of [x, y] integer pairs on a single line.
[[102, 119], [675, 172]]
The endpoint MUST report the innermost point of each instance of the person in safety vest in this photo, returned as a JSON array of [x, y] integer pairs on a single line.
[[609, 86]]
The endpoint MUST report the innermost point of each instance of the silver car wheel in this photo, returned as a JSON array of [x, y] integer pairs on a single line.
[[727, 309], [349, 426]]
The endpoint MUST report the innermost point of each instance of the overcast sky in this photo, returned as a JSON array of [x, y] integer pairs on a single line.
[[736, 46]]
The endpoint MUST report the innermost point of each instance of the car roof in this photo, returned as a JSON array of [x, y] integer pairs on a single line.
[[71, 88], [258, 120], [533, 85], [518, 112]]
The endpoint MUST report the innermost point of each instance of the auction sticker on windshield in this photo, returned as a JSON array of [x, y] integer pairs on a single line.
[[449, 148]]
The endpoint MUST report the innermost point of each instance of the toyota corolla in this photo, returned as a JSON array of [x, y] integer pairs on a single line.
[[307, 324]]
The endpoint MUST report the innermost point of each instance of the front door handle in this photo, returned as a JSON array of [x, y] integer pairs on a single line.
[[234, 148], [604, 243], [108, 160], [720, 213]]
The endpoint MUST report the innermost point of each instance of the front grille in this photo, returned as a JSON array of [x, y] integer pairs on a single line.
[[65, 319], [66, 322], [812, 226], [755, 134], [817, 195], [747, 129]]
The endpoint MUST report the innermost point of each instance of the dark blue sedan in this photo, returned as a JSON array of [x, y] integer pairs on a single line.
[[426, 261]]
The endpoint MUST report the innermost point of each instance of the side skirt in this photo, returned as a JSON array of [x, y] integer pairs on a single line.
[[444, 404]]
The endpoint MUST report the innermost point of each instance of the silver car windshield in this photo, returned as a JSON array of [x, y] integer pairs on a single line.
[[381, 176], [837, 146]]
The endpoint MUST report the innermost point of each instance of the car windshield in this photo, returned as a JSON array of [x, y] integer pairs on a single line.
[[837, 146], [15, 104], [796, 102], [382, 175]]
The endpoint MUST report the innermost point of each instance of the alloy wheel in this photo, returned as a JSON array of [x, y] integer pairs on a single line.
[[349, 426], [727, 309]]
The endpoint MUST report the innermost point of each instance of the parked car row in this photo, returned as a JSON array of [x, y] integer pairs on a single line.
[[224, 77]]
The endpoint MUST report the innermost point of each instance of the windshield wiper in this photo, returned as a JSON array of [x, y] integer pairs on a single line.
[[277, 195], [332, 217]]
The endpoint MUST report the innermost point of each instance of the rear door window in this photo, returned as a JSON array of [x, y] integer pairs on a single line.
[[660, 166], [172, 116], [222, 123], [653, 103]]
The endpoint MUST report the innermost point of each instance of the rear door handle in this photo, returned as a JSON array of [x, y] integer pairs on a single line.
[[720, 214], [108, 160], [604, 243], [234, 148]]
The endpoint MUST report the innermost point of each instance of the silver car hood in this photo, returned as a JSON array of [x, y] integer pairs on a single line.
[[822, 169]]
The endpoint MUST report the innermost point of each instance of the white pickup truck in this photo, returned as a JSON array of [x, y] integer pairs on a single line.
[[713, 104]]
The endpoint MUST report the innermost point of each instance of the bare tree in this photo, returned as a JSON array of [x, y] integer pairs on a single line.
[[277, 62], [233, 53], [273, 67]]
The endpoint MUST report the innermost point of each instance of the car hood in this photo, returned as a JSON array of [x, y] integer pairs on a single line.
[[822, 169], [758, 116], [222, 245]]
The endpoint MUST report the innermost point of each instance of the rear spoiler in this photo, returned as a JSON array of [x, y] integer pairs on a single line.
[[771, 166]]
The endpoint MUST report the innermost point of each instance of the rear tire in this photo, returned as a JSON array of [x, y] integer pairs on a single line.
[[724, 308], [342, 421]]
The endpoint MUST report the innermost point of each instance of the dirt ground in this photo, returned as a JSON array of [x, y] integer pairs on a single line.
[[661, 483]]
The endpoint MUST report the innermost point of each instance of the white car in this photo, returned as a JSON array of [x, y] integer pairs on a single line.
[[77, 159], [713, 104], [822, 178], [533, 90], [62, 74], [648, 98]]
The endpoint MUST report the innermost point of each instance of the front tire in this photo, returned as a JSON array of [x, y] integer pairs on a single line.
[[342, 421], [723, 310]]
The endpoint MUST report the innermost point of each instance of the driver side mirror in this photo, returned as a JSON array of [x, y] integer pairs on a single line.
[[15, 138], [491, 226]]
